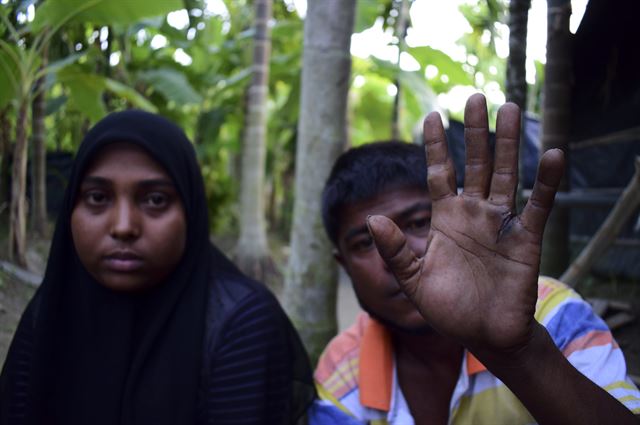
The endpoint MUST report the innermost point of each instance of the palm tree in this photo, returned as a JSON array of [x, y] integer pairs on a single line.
[[516, 80], [516, 71], [252, 251], [555, 126]]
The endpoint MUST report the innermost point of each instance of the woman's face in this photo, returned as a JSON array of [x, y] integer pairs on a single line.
[[128, 222]]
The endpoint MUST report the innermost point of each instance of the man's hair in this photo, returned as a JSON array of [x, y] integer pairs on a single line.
[[366, 171]]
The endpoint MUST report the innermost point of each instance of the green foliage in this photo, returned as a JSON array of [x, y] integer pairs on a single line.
[[55, 13], [127, 93], [485, 18], [456, 74], [173, 85], [534, 99], [87, 90], [9, 75], [207, 98], [368, 11]]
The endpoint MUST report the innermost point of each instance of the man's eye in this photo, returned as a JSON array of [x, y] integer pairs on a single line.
[[362, 244], [419, 223], [418, 226]]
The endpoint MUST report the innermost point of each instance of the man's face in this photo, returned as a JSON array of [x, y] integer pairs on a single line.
[[376, 288], [128, 223]]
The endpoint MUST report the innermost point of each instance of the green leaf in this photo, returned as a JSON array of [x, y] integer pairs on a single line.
[[446, 66], [56, 66], [366, 14], [209, 124], [85, 91], [9, 77], [383, 68], [237, 78], [172, 84], [126, 92], [54, 104], [54, 13], [416, 85]]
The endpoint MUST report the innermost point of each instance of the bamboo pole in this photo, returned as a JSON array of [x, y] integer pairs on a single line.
[[627, 204]]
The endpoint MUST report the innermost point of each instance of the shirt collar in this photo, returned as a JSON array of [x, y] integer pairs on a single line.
[[376, 366]]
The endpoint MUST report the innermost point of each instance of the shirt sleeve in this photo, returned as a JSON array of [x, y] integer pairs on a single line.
[[250, 380], [323, 412], [586, 341]]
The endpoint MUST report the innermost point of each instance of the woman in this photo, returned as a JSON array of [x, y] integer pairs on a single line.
[[139, 318]]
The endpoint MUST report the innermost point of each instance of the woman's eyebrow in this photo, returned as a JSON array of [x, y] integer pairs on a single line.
[[94, 180], [101, 181], [157, 182]]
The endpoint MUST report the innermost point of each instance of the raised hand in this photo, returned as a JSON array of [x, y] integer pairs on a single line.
[[477, 281]]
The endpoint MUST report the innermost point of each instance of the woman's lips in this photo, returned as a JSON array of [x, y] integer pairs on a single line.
[[123, 261]]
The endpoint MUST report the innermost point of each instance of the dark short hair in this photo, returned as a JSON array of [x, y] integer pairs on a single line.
[[366, 171]]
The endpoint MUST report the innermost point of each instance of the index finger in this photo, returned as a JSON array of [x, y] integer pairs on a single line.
[[441, 175]]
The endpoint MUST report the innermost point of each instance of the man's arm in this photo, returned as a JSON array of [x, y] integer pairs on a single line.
[[477, 282]]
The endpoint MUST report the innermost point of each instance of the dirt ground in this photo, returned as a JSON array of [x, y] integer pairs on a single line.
[[15, 294]]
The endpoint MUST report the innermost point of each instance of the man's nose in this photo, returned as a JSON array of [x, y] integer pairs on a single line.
[[125, 223], [417, 244]]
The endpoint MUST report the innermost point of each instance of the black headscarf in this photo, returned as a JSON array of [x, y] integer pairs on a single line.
[[103, 357]]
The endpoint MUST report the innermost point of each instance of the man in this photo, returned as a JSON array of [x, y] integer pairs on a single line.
[[459, 328]]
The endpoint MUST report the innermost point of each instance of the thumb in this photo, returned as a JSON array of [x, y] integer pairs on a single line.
[[392, 247]]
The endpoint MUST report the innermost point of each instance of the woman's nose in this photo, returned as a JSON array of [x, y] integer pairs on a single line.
[[125, 223]]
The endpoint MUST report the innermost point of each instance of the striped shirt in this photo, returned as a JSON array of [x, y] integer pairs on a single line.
[[357, 379]]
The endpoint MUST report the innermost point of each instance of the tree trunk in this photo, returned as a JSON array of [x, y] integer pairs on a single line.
[[516, 63], [39, 195], [402, 24], [555, 127], [5, 145], [252, 252], [310, 285], [516, 69], [18, 208]]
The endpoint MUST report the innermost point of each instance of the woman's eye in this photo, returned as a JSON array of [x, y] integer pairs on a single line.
[[95, 198], [156, 200]]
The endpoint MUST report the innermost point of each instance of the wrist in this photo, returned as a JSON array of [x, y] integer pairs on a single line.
[[523, 360]]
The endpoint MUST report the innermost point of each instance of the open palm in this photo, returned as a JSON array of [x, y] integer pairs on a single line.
[[477, 281]]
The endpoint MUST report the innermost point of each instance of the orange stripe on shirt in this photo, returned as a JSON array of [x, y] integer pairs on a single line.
[[591, 339], [376, 367]]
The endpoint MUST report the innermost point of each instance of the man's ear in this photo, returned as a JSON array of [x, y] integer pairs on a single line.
[[337, 255]]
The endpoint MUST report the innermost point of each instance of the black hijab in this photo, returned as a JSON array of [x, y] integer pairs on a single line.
[[102, 357]]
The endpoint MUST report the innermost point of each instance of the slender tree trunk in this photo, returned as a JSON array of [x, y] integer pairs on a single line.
[[5, 145], [310, 285], [39, 196], [252, 252], [18, 208], [401, 31], [516, 69], [555, 127], [516, 63]]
